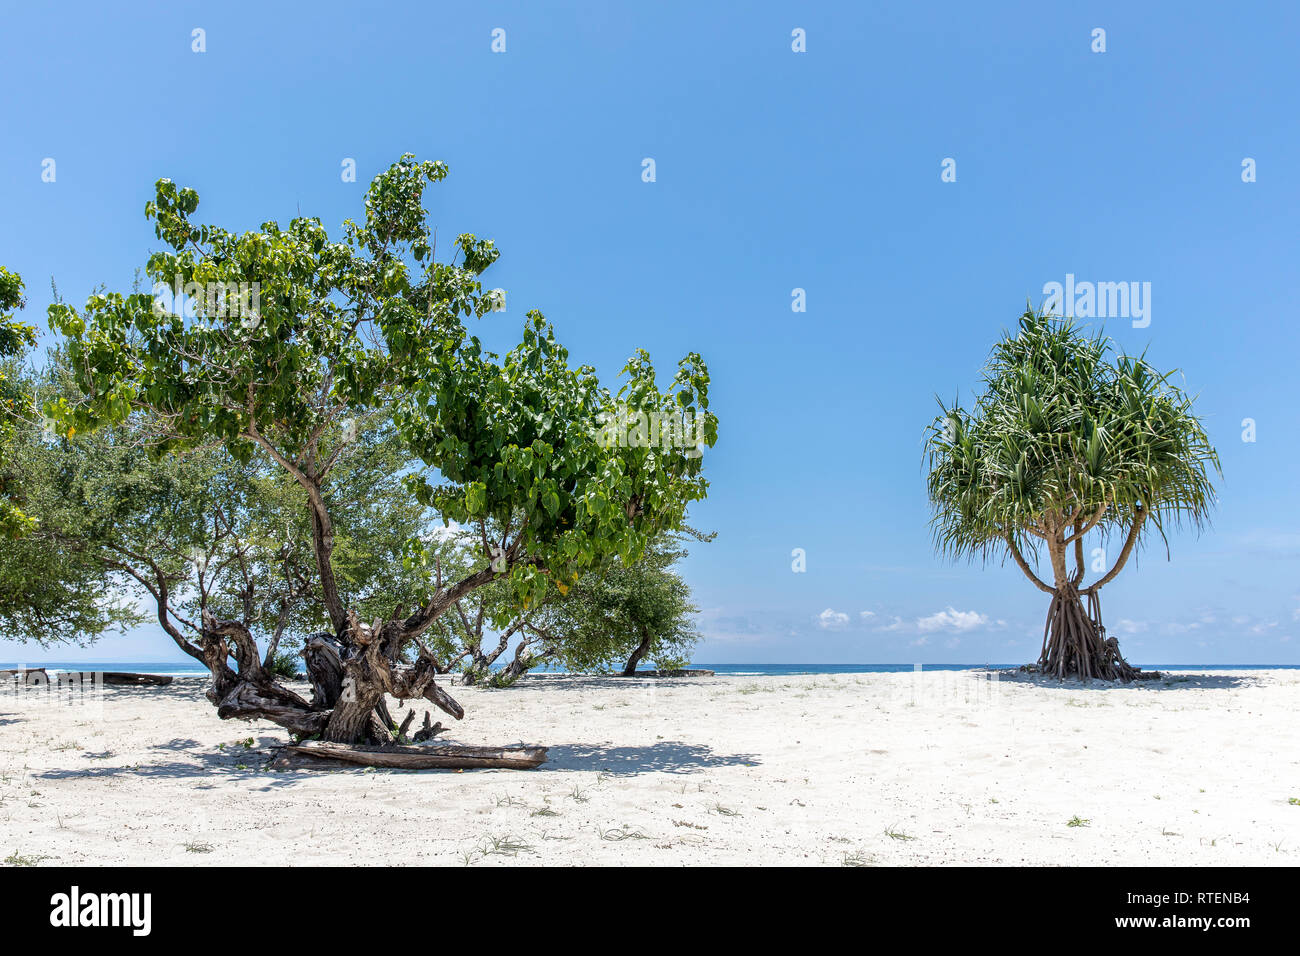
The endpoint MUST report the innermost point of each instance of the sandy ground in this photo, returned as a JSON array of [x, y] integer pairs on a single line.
[[822, 770]]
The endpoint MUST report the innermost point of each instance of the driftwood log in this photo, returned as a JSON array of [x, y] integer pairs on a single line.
[[399, 757], [119, 678], [680, 672], [28, 674], [124, 679]]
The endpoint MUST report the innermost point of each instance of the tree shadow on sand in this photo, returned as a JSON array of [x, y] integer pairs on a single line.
[[1166, 681], [666, 756], [206, 764], [578, 682]]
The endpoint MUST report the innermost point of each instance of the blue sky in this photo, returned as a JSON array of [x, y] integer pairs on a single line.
[[775, 170]]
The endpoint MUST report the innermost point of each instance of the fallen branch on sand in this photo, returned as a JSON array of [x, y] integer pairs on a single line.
[[399, 757]]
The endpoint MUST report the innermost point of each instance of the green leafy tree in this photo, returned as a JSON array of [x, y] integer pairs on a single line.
[[289, 342], [52, 590], [608, 619], [631, 613], [203, 534], [1064, 442], [48, 594], [15, 338]]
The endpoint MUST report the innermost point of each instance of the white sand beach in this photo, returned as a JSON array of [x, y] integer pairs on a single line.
[[885, 769]]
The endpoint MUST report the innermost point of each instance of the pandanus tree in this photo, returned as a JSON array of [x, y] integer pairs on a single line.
[[285, 344], [1068, 441]]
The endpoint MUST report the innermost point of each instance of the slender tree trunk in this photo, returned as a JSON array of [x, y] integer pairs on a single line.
[[480, 667], [640, 652], [480, 664], [322, 533]]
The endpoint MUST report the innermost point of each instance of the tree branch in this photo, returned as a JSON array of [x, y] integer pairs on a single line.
[[1129, 544], [321, 526], [162, 596], [1079, 533], [1024, 565], [444, 598]]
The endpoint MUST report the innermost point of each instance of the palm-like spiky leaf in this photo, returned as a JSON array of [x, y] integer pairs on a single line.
[[1063, 435]]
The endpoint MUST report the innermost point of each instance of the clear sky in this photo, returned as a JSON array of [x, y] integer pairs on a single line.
[[774, 170]]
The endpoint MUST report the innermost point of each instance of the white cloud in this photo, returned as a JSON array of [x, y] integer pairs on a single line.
[[448, 532], [952, 620], [829, 620], [867, 615]]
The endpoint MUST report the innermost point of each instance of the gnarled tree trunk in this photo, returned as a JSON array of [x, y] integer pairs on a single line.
[[523, 661], [351, 674], [351, 671]]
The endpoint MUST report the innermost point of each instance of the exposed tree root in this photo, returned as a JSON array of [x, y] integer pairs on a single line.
[[1075, 642]]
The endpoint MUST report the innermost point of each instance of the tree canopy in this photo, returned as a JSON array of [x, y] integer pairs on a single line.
[[634, 612], [373, 325], [1064, 441], [15, 338], [52, 589], [282, 347]]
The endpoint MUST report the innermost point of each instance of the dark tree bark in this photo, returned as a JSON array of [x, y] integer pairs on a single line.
[[640, 652], [351, 670], [351, 674], [324, 658]]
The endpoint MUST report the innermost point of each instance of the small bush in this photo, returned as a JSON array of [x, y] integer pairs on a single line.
[[285, 664]]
